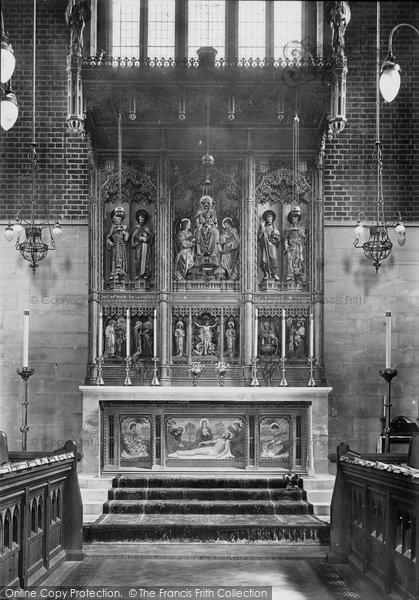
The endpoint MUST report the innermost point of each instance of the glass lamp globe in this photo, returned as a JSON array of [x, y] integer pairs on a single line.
[[389, 80], [8, 61], [8, 233], [401, 233], [57, 231], [9, 111], [17, 228]]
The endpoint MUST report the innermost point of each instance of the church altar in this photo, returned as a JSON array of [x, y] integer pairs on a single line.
[[137, 428]]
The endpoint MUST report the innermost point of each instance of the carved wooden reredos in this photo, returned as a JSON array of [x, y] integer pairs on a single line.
[[207, 216]]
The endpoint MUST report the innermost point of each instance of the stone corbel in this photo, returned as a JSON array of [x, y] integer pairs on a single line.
[[77, 14]]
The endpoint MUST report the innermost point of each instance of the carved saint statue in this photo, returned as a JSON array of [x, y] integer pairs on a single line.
[[142, 241], [269, 238], [294, 240], [116, 242], [205, 346], [230, 339], [110, 338], [185, 257], [207, 235], [180, 335], [229, 242], [138, 337], [297, 339], [77, 15]]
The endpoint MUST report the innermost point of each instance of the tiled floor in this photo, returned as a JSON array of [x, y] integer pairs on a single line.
[[297, 572]]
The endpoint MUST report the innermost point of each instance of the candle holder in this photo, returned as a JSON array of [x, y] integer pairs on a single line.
[[99, 378], [283, 382], [254, 382], [127, 380], [155, 380], [387, 375], [25, 373], [311, 381]]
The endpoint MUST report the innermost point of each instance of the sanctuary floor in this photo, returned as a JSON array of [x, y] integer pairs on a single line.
[[297, 572]]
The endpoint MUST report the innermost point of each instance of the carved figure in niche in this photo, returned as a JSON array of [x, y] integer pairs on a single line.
[[138, 336], [219, 448], [205, 346], [121, 335], [142, 241], [76, 18], [185, 256], [278, 445], [180, 335], [340, 18], [134, 446], [269, 239], [204, 433], [148, 339], [110, 339], [297, 339], [268, 340], [116, 242], [230, 339], [294, 241], [237, 440], [207, 236], [229, 242]]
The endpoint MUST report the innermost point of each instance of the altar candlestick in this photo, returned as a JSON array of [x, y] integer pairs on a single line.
[[128, 333], [388, 339], [100, 335], [155, 333], [311, 346], [255, 341], [25, 338], [283, 333]]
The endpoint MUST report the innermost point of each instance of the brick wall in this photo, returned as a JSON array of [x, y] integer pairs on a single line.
[[350, 174], [62, 157]]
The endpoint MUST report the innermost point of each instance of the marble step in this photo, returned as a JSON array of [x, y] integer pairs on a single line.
[[204, 481], [282, 529], [175, 493], [204, 507]]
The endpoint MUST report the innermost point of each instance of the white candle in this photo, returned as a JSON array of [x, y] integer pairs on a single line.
[[311, 346], [388, 339], [255, 339], [283, 333], [100, 335], [128, 333], [155, 333], [26, 338]]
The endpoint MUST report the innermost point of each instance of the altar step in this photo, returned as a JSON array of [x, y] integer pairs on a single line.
[[95, 492], [207, 509]]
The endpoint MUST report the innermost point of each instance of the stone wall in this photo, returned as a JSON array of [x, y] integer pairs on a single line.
[[56, 297], [356, 300]]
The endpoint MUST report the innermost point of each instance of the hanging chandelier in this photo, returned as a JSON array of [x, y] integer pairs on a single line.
[[33, 248], [373, 237]]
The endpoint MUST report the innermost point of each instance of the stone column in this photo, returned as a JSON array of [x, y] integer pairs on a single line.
[[163, 256], [249, 253]]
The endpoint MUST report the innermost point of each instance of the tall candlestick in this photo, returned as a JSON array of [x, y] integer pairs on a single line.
[[155, 333], [255, 340], [100, 335], [388, 339], [283, 333], [311, 345], [25, 338], [128, 333]]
